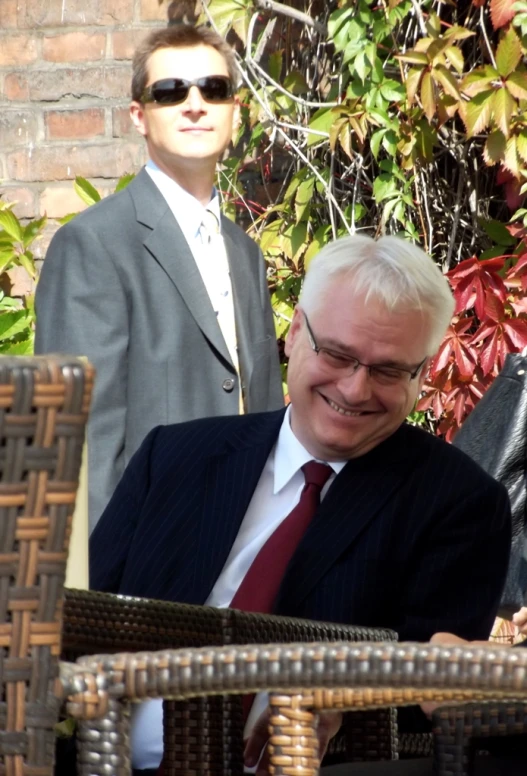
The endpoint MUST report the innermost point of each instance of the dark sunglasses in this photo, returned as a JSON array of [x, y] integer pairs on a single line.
[[170, 91]]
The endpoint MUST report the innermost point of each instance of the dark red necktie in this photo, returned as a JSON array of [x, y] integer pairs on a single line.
[[259, 587]]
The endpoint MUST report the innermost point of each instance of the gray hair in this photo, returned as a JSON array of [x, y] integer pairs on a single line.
[[389, 269]]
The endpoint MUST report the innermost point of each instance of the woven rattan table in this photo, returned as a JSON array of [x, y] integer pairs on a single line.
[[302, 678], [205, 735]]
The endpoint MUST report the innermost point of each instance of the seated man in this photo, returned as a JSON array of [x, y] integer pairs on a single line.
[[227, 512]]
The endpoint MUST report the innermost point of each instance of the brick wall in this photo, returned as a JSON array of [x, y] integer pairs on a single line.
[[64, 93]]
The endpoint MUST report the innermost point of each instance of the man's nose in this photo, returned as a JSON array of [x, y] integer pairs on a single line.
[[194, 102], [356, 386]]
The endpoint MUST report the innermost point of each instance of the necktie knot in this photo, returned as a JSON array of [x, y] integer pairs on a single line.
[[316, 473], [210, 226]]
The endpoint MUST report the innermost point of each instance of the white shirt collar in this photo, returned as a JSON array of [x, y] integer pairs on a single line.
[[186, 208], [290, 455]]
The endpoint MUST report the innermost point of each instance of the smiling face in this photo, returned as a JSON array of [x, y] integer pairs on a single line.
[[187, 138], [340, 417]]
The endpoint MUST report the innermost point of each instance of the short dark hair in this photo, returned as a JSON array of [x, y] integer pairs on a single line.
[[178, 36]]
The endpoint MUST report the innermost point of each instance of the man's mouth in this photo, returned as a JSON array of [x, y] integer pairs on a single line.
[[342, 411]]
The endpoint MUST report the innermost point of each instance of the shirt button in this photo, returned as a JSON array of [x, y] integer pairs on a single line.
[[228, 384]]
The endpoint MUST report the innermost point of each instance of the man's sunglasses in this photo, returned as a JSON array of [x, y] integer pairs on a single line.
[[170, 91]]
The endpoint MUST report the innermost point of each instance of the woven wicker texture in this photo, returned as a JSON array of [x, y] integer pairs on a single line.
[[306, 677], [458, 728], [43, 410], [205, 735]]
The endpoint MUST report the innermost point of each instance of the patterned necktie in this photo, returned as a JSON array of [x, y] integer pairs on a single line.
[[213, 265], [259, 587]]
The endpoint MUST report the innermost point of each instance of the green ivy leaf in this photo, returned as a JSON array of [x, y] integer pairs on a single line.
[[494, 150], [12, 323], [477, 112], [516, 83], [32, 230], [86, 191], [10, 223], [509, 53], [123, 181], [322, 121], [502, 107], [303, 198], [275, 65], [26, 260], [384, 186], [428, 96], [521, 144], [392, 91], [23, 347], [6, 257], [444, 77], [498, 232]]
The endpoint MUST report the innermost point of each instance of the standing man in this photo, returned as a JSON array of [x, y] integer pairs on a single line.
[[165, 296], [334, 509]]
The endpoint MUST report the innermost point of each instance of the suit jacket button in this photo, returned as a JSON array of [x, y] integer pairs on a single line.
[[228, 384]]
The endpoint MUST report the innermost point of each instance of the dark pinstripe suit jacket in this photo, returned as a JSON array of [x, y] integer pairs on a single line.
[[413, 535]]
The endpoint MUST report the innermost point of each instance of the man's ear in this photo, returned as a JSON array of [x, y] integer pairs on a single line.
[[137, 114], [294, 329]]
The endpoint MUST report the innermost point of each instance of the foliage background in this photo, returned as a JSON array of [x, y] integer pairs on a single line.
[[392, 117], [388, 116]]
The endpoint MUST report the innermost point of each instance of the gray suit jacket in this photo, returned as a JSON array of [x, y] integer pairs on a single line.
[[120, 286]]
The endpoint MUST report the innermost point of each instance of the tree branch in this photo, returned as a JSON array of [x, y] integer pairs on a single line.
[[285, 10]]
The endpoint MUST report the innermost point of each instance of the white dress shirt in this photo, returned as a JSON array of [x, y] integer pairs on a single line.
[[208, 251], [277, 492]]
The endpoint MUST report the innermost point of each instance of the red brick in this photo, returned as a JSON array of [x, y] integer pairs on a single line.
[[54, 13], [60, 200], [8, 16], [54, 163], [100, 82], [24, 198], [17, 127], [21, 283], [17, 50], [122, 124], [16, 86], [152, 10], [124, 42], [74, 124], [74, 47]]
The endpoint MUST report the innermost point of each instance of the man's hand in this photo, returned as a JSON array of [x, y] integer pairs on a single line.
[[329, 723], [520, 619]]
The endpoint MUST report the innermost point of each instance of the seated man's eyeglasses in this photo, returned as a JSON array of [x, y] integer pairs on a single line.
[[348, 365], [171, 91]]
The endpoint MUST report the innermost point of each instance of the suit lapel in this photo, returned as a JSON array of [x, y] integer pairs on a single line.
[[353, 503], [230, 481], [167, 244], [239, 269]]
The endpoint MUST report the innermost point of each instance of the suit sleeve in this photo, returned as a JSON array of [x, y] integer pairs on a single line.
[[456, 581], [113, 535], [276, 391], [82, 310]]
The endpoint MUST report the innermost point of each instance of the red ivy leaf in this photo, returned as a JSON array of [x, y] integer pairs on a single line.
[[501, 12], [489, 352], [516, 329], [493, 308]]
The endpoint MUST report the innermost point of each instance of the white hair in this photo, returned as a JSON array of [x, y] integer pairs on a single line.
[[389, 269]]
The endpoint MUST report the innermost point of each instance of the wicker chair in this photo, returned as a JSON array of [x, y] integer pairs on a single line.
[[204, 735], [459, 732], [43, 410], [303, 679]]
